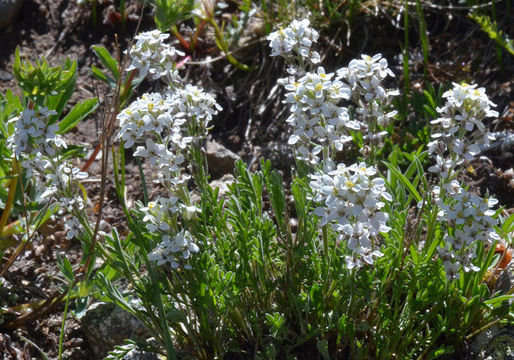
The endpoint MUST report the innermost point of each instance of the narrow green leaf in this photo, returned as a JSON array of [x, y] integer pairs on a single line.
[[78, 113], [106, 59], [412, 190], [65, 266], [508, 224], [100, 75], [58, 102]]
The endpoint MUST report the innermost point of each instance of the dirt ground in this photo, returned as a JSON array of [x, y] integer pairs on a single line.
[[249, 125]]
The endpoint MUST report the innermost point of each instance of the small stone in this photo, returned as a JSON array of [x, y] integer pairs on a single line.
[[505, 280], [107, 325], [220, 159], [141, 355], [495, 343], [8, 11], [222, 184], [105, 226], [5, 76]]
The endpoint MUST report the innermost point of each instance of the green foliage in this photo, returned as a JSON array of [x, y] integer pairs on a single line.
[[42, 82], [111, 75], [491, 28], [24, 208], [261, 288], [169, 13]]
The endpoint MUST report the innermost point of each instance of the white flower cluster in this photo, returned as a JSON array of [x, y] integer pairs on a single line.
[[158, 213], [36, 145], [148, 115], [465, 109], [197, 106], [315, 116], [295, 40], [174, 250], [62, 183], [151, 55], [163, 123], [164, 127], [469, 220], [365, 77], [320, 121], [33, 136], [352, 198]]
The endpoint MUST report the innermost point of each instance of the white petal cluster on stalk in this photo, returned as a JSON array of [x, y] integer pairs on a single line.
[[151, 55], [195, 105], [468, 219], [174, 251], [73, 227], [320, 117], [158, 213], [36, 145], [365, 77], [32, 134], [460, 131], [148, 115], [352, 198], [168, 124], [164, 128], [315, 114], [296, 39]]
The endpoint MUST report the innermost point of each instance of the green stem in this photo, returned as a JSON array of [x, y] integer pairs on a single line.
[[170, 351], [63, 325], [143, 180]]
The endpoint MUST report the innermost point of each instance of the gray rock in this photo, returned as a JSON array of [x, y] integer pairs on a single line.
[[107, 325], [8, 11], [505, 281], [222, 184], [495, 343], [141, 355], [220, 159]]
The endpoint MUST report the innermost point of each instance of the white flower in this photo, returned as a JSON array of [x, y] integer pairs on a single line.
[[172, 250], [152, 151], [32, 135], [73, 227], [204, 9], [351, 199], [151, 55], [195, 105], [442, 166], [468, 220], [298, 37], [159, 212], [143, 116], [460, 129], [315, 116]]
